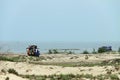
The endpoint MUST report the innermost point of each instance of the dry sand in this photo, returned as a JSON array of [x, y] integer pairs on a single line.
[[26, 68]]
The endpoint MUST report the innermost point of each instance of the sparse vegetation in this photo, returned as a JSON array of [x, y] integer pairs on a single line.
[[76, 64], [110, 73], [12, 59], [55, 51], [13, 71], [61, 51], [117, 67], [70, 52], [3, 70], [100, 77], [114, 77], [34, 60], [71, 77], [5, 58], [7, 78], [50, 51], [119, 50]]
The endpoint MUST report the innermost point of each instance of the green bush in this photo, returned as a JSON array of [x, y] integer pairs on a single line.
[[119, 49], [55, 51], [100, 77], [70, 52], [12, 59], [3, 58], [101, 50], [114, 77], [85, 52], [89, 76], [50, 52]]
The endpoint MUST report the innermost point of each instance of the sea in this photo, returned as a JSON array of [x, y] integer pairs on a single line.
[[44, 47]]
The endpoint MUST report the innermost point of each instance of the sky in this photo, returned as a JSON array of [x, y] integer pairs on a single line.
[[60, 20]]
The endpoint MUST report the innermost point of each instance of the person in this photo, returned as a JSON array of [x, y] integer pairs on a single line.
[[33, 51], [28, 52], [37, 53]]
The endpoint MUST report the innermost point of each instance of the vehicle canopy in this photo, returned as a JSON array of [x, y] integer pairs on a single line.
[[32, 50], [107, 48]]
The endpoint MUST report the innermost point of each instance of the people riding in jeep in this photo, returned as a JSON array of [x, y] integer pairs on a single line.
[[32, 50]]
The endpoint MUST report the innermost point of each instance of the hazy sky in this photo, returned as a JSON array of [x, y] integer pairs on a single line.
[[60, 20]]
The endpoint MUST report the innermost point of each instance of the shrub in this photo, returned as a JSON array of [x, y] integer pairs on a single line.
[[3, 71], [114, 77], [5, 58], [7, 78], [119, 49], [13, 71], [100, 77], [109, 71], [50, 52], [55, 51], [101, 50], [70, 52], [117, 67], [12, 59], [85, 52], [89, 76]]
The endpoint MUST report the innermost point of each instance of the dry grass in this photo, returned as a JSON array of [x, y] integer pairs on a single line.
[[81, 63]]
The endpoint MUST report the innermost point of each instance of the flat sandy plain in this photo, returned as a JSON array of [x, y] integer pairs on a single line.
[[54, 66]]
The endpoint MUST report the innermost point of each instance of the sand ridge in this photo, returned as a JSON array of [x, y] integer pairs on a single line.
[[27, 68]]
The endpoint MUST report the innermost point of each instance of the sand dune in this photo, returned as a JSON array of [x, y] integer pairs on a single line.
[[27, 68]]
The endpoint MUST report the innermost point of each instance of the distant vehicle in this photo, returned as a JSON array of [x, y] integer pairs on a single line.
[[32, 50], [104, 49]]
